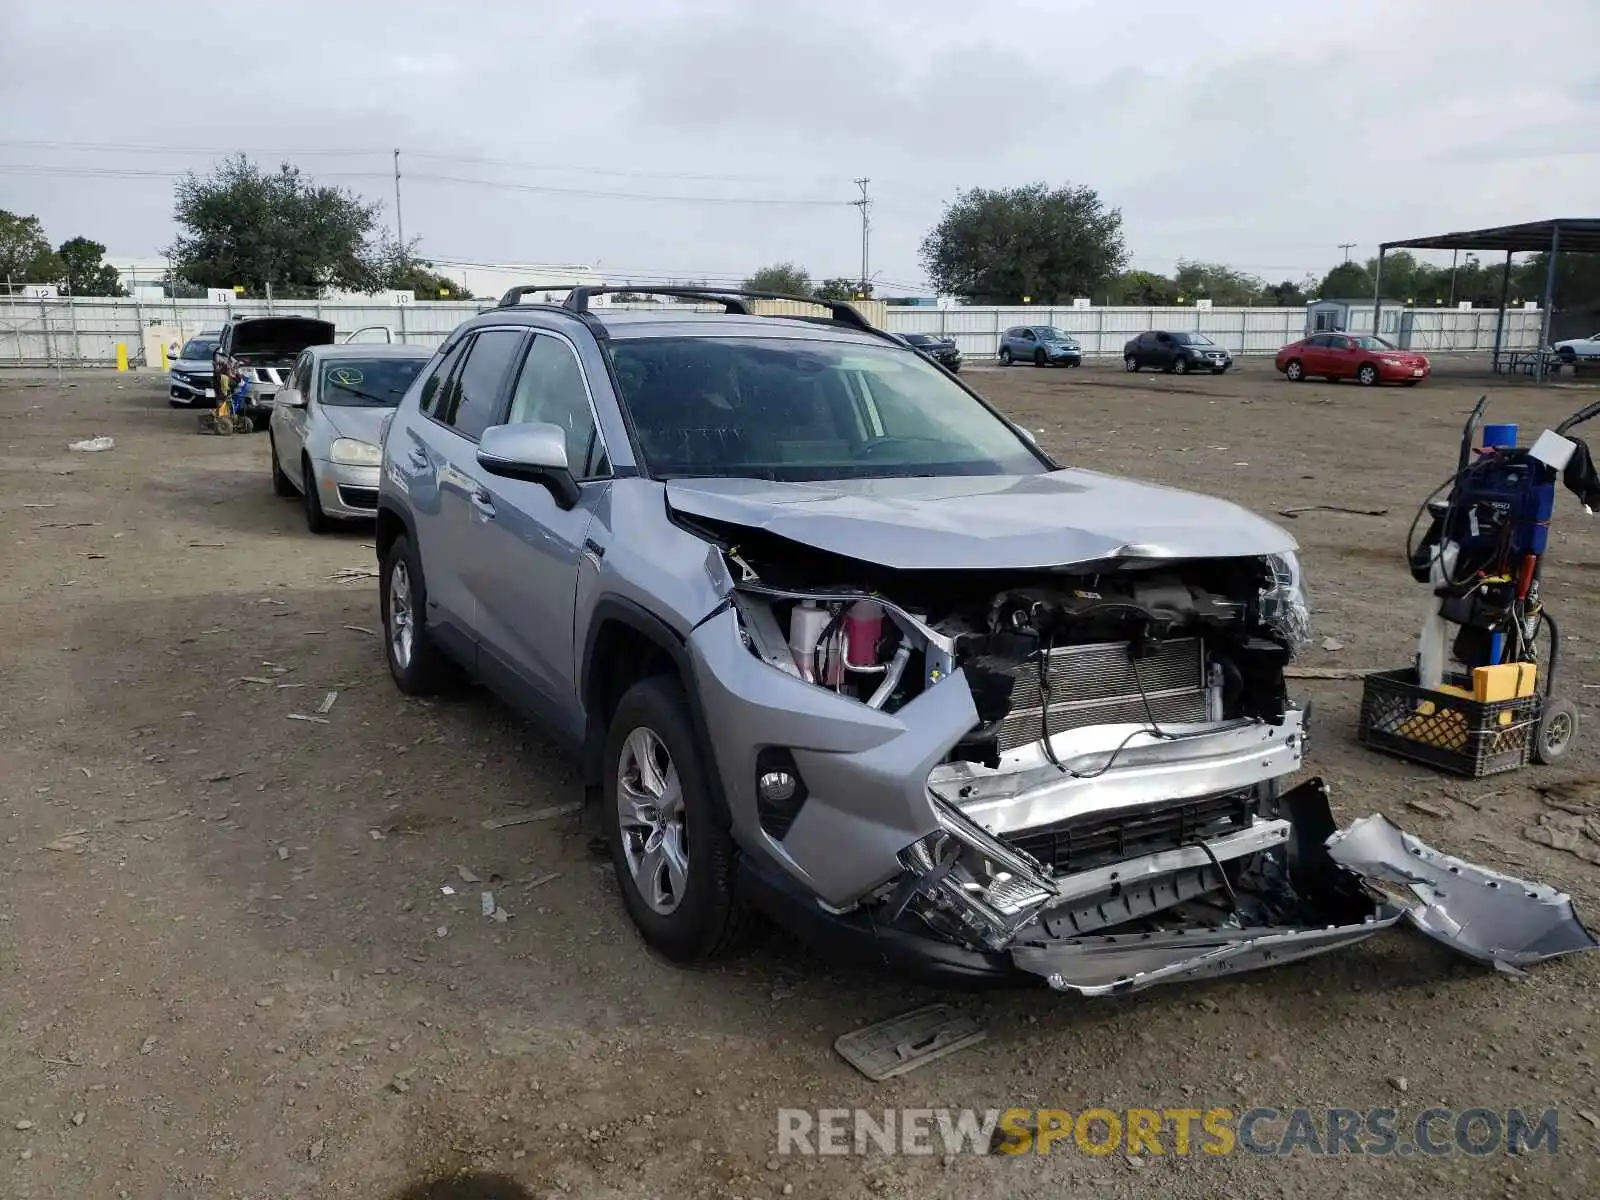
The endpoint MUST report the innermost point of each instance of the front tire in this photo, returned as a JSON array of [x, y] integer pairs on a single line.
[[418, 666], [1180, 366], [1294, 371], [316, 520], [1039, 359], [673, 857], [1367, 376], [282, 485]]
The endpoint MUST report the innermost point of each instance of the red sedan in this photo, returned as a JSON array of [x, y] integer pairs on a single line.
[[1368, 360]]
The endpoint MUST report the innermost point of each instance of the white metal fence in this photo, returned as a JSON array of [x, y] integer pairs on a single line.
[[1104, 331], [87, 330]]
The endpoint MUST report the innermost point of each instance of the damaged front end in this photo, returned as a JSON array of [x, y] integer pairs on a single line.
[[1069, 772]]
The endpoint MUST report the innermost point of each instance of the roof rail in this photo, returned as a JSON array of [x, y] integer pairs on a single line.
[[513, 296], [731, 299], [578, 298]]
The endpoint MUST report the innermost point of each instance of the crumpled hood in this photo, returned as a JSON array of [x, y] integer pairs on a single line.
[[997, 522]]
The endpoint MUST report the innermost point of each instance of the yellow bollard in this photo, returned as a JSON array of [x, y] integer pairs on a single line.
[[164, 356], [122, 357]]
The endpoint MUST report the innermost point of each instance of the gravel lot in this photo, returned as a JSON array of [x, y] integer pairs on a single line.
[[228, 966]]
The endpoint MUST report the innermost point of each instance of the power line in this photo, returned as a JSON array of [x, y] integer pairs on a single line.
[[579, 170], [595, 193], [142, 148], [546, 189], [438, 155]]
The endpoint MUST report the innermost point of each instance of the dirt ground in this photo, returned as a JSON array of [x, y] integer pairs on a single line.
[[229, 966]]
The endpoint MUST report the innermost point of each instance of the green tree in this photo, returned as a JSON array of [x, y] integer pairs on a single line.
[[1287, 294], [398, 268], [244, 225], [1347, 281], [1036, 242], [1577, 279], [25, 254], [84, 271], [1223, 286], [841, 288], [783, 277], [1144, 289]]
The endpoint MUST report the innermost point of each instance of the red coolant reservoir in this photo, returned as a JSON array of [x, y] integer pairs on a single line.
[[863, 630]]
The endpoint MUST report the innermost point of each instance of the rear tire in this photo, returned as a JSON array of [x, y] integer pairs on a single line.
[[418, 666], [1005, 356], [1130, 364], [1294, 371], [1367, 376], [673, 858], [282, 485]]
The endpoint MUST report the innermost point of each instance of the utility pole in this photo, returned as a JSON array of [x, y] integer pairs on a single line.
[[866, 225], [1453, 254], [399, 221], [1345, 246]]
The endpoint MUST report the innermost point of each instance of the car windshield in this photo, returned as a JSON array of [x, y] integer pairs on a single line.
[[1373, 343], [920, 339], [1193, 339], [198, 348], [1048, 333], [787, 409], [366, 382]]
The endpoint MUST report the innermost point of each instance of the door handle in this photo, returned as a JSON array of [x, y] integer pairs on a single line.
[[419, 456], [482, 501]]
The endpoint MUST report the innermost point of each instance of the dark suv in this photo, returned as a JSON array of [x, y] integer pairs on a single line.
[[1179, 353]]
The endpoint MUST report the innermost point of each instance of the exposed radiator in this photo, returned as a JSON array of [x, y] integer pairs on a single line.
[[1100, 684]]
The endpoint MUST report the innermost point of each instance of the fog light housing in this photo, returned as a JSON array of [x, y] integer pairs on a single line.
[[780, 792]]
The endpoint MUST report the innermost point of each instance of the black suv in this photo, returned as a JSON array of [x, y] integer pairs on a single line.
[[1178, 353], [942, 350]]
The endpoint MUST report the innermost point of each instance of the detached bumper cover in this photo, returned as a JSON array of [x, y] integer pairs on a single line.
[[1502, 921], [1495, 919]]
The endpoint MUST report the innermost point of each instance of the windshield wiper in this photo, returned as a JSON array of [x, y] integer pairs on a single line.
[[354, 391]]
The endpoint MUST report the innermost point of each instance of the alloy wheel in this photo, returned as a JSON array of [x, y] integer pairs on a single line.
[[650, 816]]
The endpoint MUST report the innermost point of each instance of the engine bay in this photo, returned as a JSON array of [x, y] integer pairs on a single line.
[[1042, 652]]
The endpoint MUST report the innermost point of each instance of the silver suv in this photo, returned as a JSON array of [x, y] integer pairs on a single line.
[[835, 640]]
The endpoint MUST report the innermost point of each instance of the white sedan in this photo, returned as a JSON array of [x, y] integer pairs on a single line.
[[1584, 347]]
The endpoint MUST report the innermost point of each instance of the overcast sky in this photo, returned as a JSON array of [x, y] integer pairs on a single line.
[[1260, 133]]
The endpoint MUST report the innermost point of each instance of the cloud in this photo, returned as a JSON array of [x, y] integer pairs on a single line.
[[1252, 133]]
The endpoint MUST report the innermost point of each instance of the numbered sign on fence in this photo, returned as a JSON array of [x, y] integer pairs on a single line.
[[220, 295], [40, 291]]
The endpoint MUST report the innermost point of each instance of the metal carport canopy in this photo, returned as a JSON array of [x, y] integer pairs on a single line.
[[1581, 234]]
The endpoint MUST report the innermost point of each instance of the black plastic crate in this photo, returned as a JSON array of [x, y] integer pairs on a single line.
[[1450, 732]]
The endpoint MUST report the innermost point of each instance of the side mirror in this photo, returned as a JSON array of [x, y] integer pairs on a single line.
[[533, 453], [290, 398]]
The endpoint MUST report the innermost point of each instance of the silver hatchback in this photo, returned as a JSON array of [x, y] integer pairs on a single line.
[[327, 424]]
